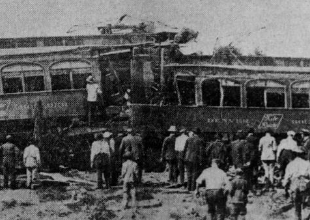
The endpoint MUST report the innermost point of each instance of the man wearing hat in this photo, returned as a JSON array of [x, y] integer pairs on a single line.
[[10, 155], [130, 179], [133, 144], [305, 134], [169, 154], [93, 89], [193, 154], [268, 147], [216, 186], [100, 158], [179, 147], [238, 192]]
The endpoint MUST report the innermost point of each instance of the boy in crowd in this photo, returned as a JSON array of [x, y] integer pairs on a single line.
[[130, 177]]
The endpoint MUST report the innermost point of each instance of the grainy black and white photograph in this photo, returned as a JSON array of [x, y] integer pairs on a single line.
[[154, 110]]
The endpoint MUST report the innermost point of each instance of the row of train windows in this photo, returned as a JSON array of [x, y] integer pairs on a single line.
[[259, 93], [64, 75], [22, 83]]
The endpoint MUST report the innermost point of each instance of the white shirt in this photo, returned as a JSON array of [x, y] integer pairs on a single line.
[[214, 178], [99, 147], [31, 156], [180, 142], [298, 167], [268, 145], [92, 92], [287, 144]]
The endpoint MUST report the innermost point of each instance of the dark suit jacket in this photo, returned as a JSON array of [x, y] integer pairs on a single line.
[[193, 151], [168, 150], [10, 154], [132, 144]]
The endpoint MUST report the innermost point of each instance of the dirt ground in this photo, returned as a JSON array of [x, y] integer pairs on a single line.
[[155, 202]]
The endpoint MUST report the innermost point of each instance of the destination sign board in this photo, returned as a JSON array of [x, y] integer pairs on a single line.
[[271, 121]]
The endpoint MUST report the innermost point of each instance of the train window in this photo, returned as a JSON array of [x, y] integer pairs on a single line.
[[61, 80], [211, 92], [186, 90], [22, 78], [231, 93], [300, 95], [265, 93], [69, 75], [231, 96], [12, 85], [34, 83], [255, 97]]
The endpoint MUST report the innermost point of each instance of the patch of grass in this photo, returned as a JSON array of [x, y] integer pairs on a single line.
[[9, 204]]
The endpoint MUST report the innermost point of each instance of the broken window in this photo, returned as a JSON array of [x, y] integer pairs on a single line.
[[211, 92], [186, 89], [300, 95], [69, 75], [22, 78], [231, 93], [266, 93]]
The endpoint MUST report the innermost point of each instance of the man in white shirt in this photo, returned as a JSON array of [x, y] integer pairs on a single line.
[[217, 185], [296, 179], [93, 89], [32, 161], [179, 148], [100, 158], [267, 146]]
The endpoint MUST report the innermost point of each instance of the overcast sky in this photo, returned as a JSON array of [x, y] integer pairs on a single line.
[[277, 27]]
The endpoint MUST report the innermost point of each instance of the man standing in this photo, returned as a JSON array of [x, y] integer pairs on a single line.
[[193, 152], [179, 148], [169, 154], [93, 90], [239, 196], [305, 133], [10, 154], [216, 182], [133, 144], [267, 146], [237, 147], [217, 150], [285, 151], [100, 159], [31, 161], [296, 179]]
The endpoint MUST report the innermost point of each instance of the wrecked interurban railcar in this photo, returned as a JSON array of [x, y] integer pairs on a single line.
[[223, 98]]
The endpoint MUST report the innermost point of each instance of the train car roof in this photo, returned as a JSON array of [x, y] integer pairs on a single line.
[[282, 69]]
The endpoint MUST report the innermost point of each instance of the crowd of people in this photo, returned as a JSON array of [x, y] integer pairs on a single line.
[[228, 167], [242, 159]]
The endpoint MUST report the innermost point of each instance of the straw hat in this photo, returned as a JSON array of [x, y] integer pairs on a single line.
[[172, 128]]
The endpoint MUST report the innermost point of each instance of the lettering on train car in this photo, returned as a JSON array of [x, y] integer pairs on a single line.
[[271, 121]]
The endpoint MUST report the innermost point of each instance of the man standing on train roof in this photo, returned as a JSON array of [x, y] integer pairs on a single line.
[[268, 147], [179, 147], [10, 156], [169, 154], [193, 153], [93, 89], [305, 134]]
